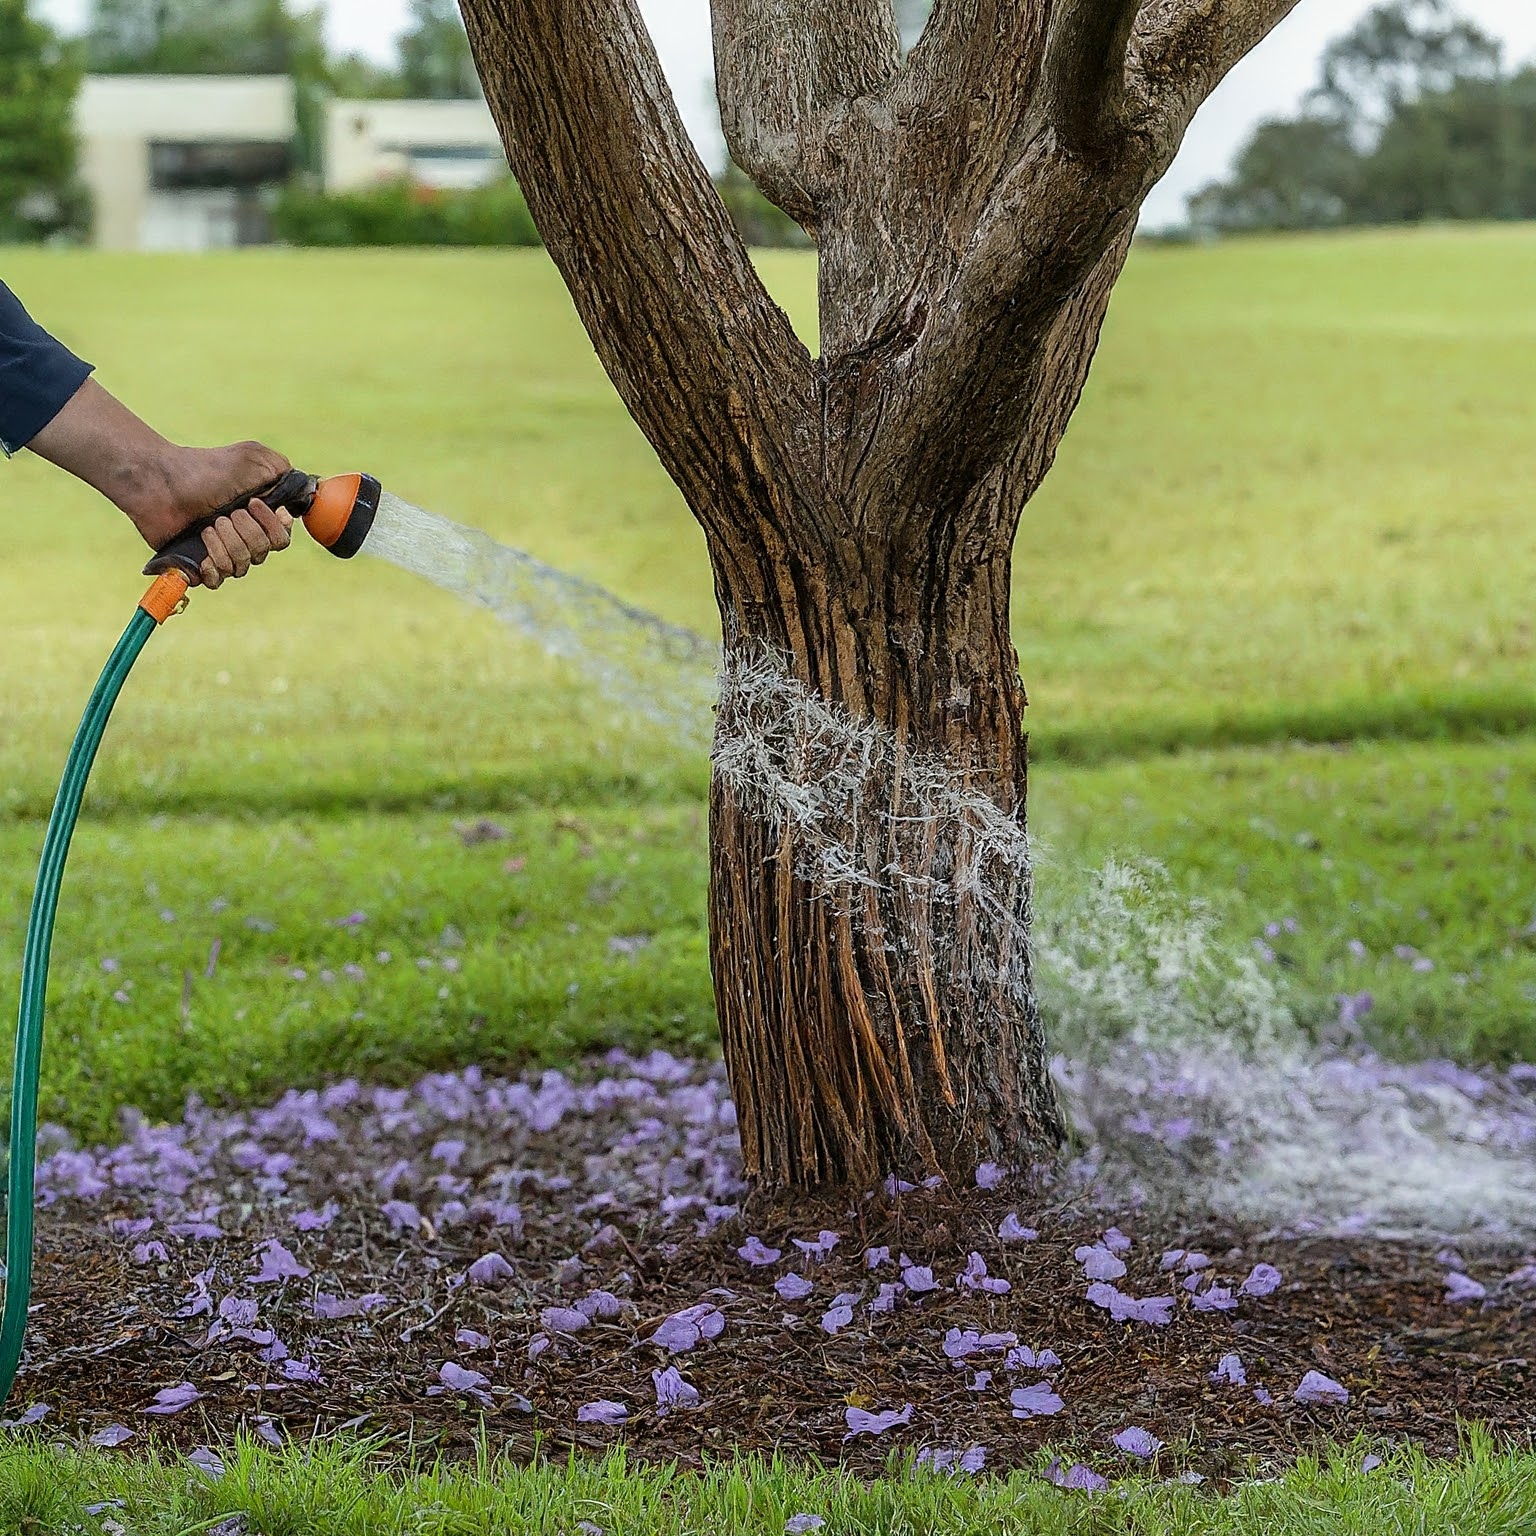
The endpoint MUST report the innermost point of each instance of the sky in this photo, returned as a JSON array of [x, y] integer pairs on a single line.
[[1270, 83]]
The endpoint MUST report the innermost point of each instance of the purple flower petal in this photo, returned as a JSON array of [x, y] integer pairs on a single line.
[[402, 1215], [601, 1306], [1138, 1442], [603, 1411], [490, 1269], [918, 1278], [335, 1307], [238, 1312], [836, 1319], [875, 1257], [277, 1263], [316, 1221], [206, 1462], [1263, 1279], [150, 1253], [861, 1422], [1116, 1240], [1077, 1477], [672, 1391], [563, 1319], [990, 1175], [802, 1525], [460, 1379], [756, 1253], [1261, 1395], [1317, 1388], [1218, 1299], [113, 1434], [1035, 1402], [1460, 1287], [793, 1287], [1230, 1371], [1011, 1230], [1099, 1263], [1156, 1310], [1371, 1463], [300, 1370], [821, 1246], [174, 1399], [468, 1338], [196, 1231]]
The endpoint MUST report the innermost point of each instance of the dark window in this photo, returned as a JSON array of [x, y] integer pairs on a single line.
[[179, 167]]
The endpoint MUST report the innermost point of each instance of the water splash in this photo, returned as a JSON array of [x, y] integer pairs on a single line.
[[1194, 1088], [639, 662], [1182, 1065]]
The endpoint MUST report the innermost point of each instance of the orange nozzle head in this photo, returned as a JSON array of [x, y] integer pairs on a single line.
[[342, 512]]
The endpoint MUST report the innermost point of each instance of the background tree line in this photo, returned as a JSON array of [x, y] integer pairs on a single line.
[[1414, 117]]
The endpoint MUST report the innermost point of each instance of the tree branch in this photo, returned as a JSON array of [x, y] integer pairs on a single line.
[[706, 362], [1181, 50], [786, 72], [1082, 86]]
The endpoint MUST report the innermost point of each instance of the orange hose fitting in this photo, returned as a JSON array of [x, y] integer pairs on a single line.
[[165, 596], [328, 515]]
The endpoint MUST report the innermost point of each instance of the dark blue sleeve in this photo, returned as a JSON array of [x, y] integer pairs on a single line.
[[38, 375]]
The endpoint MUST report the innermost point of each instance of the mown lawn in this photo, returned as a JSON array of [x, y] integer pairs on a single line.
[[1288, 535], [331, 1491]]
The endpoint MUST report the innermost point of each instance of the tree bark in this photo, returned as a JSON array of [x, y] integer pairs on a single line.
[[973, 206]]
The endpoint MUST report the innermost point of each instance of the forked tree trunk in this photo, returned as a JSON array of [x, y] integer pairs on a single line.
[[972, 204]]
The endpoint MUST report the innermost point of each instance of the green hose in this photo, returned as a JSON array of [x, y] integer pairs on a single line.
[[34, 992]]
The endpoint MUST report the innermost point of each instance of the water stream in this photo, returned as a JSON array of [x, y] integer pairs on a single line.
[[639, 662]]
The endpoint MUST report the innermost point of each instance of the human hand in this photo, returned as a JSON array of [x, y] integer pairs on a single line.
[[165, 488], [242, 539]]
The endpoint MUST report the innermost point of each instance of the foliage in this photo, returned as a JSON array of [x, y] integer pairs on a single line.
[[435, 61], [195, 37], [400, 213], [760, 222], [1397, 53], [1412, 119], [40, 195]]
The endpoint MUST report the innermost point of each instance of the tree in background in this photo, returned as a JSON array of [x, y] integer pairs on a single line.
[[40, 195], [434, 53], [194, 37], [972, 202], [1412, 118], [1395, 55]]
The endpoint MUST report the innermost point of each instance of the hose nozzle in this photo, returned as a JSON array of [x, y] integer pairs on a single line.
[[337, 511]]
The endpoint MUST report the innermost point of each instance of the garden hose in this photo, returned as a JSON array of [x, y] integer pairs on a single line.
[[339, 513]]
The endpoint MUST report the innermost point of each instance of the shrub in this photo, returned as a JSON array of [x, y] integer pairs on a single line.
[[403, 213]]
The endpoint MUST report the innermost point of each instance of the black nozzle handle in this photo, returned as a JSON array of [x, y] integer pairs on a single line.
[[186, 552]]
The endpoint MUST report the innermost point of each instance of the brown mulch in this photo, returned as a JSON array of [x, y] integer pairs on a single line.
[[1372, 1315]]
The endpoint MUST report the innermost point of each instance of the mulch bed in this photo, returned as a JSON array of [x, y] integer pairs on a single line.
[[111, 1327]]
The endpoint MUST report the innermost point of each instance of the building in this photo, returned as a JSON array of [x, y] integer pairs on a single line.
[[184, 162], [430, 143]]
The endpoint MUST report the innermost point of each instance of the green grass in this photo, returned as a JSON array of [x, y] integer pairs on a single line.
[[329, 1490], [1292, 508]]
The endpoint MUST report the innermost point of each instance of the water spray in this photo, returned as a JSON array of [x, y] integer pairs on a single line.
[[339, 513]]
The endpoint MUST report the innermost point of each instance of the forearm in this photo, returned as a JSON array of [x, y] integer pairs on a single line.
[[99, 440]]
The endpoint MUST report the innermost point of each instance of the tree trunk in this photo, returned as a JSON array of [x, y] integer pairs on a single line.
[[972, 204], [870, 885]]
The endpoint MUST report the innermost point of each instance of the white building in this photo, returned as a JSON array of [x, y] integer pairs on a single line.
[[183, 162], [430, 143]]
